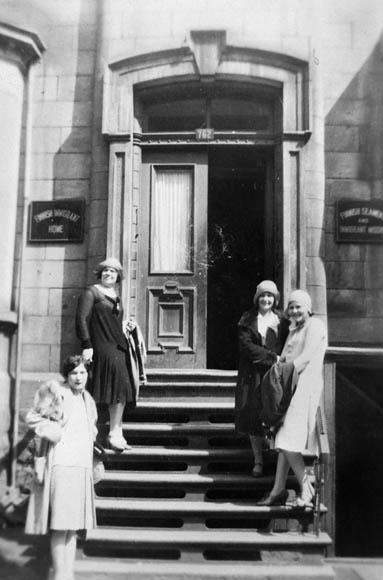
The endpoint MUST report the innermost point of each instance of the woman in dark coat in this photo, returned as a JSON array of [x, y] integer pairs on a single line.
[[99, 326], [261, 335]]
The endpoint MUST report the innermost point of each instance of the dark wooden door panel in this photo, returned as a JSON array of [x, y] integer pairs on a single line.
[[173, 258]]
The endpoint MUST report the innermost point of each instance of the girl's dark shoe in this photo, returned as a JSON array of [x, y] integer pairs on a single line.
[[270, 500]]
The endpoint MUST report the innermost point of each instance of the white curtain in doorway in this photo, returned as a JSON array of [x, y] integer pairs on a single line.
[[172, 195]]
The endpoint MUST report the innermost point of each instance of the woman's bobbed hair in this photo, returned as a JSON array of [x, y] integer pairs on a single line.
[[71, 362]]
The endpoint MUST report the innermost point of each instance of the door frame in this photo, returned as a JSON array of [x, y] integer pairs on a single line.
[[295, 163]]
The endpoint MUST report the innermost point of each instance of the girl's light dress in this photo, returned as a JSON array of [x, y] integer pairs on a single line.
[[66, 499], [305, 347], [71, 492]]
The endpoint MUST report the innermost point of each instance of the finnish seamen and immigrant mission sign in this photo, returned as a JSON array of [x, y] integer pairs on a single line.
[[359, 221]]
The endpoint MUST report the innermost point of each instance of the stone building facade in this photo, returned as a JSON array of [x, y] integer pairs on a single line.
[[99, 99]]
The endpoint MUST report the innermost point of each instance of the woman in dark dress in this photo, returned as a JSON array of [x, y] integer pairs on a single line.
[[262, 331], [99, 326]]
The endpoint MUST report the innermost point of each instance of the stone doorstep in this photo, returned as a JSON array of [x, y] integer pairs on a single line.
[[208, 538], [97, 569]]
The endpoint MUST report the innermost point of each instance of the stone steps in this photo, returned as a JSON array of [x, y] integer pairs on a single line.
[[182, 502], [200, 545]]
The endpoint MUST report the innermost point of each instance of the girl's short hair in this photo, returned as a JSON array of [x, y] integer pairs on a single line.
[[71, 362]]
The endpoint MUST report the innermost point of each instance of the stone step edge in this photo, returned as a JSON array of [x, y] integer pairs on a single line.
[[187, 383], [185, 405], [204, 571], [181, 452], [171, 372], [178, 427], [190, 453], [221, 538], [182, 478], [186, 507]]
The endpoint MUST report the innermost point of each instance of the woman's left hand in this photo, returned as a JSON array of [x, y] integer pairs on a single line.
[[131, 324]]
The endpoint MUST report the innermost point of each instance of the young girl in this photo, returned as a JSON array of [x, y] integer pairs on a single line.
[[65, 501]]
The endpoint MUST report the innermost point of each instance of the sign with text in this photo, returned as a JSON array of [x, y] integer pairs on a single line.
[[204, 134], [359, 221], [57, 221]]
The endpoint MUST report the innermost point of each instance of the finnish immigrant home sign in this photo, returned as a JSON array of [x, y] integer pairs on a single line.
[[359, 221], [57, 221]]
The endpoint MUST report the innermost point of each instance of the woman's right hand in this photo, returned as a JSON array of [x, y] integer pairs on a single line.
[[87, 354]]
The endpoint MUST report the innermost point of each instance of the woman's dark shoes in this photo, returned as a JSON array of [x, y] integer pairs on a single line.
[[274, 500]]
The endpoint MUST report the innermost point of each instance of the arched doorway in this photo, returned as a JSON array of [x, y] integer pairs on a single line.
[[194, 117]]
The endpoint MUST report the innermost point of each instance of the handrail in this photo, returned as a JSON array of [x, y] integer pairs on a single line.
[[321, 431], [356, 355], [320, 463]]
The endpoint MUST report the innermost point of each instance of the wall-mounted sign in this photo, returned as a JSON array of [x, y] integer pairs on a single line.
[[57, 221], [359, 221], [204, 134]]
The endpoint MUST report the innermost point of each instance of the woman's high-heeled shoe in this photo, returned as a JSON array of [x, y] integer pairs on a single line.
[[274, 500]]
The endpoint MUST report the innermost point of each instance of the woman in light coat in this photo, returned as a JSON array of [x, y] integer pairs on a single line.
[[305, 346], [64, 502]]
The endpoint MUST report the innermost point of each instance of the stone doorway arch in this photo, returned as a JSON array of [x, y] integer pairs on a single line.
[[299, 158]]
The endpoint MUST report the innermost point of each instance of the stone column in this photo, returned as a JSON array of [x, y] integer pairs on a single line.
[[18, 49]]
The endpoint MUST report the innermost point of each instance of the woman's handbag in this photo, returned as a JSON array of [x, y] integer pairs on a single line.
[[39, 467], [40, 460], [99, 455]]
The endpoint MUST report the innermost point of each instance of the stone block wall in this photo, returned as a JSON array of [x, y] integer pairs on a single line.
[[352, 83], [61, 167], [340, 41]]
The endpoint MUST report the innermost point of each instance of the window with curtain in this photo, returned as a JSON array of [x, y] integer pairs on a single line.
[[171, 220]]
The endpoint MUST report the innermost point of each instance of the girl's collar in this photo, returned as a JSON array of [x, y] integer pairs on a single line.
[[295, 326]]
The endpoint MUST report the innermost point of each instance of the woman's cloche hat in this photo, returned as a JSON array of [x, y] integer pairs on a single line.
[[109, 263], [302, 297], [267, 286]]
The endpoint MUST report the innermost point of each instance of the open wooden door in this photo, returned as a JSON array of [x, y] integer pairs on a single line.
[[172, 281]]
